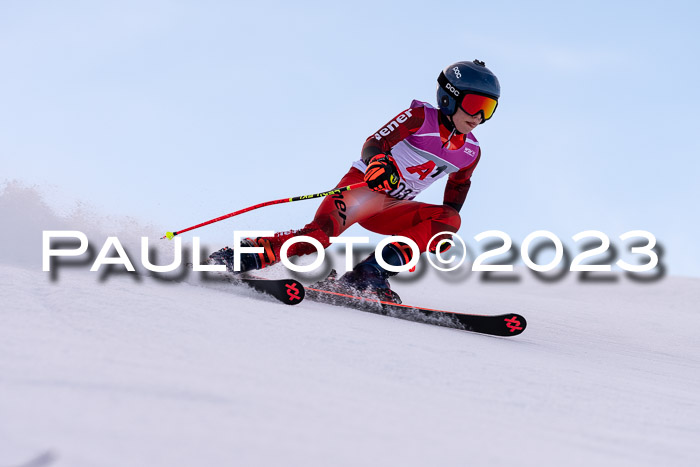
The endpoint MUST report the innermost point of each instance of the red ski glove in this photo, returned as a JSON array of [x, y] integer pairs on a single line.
[[381, 173]]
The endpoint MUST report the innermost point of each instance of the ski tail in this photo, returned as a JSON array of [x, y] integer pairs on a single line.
[[287, 291]]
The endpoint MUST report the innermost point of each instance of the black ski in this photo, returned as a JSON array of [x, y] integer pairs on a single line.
[[506, 325], [287, 291]]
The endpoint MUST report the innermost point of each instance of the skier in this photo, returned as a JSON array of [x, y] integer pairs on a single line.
[[419, 146]]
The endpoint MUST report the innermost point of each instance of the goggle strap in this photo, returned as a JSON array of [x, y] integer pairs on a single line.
[[443, 82]]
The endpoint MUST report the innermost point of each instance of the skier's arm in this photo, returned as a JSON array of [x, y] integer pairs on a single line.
[[403, 125], [458, 184]]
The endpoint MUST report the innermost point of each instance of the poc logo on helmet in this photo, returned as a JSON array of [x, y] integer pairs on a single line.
[[453, 90], [458, 73]]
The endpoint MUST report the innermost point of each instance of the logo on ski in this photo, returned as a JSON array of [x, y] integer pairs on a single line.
[[293, 292], [513, 324]]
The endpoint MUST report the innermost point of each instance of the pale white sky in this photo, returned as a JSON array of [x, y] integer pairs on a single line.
[[175, 112]]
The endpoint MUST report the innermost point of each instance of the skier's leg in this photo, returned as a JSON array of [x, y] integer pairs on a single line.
[[378, 213], [417, 221], [335, 214]]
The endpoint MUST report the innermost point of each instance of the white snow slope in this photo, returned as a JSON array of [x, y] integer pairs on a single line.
[[127, 372]]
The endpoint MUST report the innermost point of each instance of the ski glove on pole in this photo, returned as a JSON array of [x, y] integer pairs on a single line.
[[381, 173]]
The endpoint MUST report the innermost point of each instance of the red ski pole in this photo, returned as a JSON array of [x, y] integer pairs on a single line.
[[170, 235]]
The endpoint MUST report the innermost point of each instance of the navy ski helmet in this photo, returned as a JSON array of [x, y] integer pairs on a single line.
[[465, 76]]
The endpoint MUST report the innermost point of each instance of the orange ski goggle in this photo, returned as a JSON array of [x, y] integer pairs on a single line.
[[474, 103]]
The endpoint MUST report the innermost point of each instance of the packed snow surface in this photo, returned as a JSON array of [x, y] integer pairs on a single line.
[[129, 370]]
